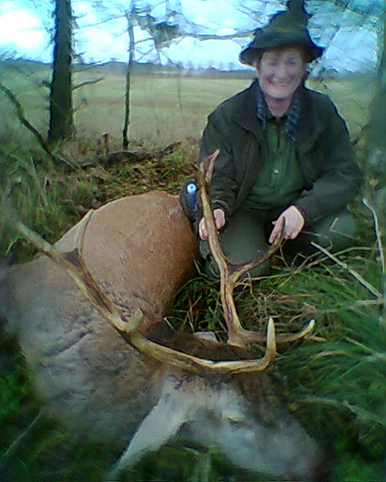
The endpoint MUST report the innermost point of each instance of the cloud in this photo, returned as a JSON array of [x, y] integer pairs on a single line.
[[350, 38], [352, 50], [22, 30], [204, 53]]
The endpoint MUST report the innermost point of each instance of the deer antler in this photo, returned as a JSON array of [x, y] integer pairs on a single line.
[[231, 273], [75, 267]]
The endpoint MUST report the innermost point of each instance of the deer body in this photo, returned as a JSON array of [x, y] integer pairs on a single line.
[[140, 250]]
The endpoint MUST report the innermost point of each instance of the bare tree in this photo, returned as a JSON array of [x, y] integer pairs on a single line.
[[160, 32], [130, 64], [61, 112]]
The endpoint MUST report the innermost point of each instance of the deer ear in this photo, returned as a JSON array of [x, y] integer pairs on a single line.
[[156, 429], [74, 239]]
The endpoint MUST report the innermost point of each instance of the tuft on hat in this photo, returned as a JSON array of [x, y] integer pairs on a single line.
[[285, 28]]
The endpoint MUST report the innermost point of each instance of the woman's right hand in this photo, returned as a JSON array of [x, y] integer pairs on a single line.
[[219, 219]]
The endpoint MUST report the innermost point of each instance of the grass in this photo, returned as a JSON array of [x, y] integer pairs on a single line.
[[164, 109], [334, 381]]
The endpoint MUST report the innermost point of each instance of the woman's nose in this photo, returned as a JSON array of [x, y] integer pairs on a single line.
[[281, 70]]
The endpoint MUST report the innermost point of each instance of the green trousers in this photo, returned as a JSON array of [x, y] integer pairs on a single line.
[[247, 232]]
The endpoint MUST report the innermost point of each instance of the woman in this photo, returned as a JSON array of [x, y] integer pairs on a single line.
[[284, 153]]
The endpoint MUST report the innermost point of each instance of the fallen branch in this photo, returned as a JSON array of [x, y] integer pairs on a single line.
[[130, 156]]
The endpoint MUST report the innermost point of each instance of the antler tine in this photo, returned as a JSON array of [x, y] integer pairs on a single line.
[[74, 266], [230, 273], [204, 176], [207, 166], [239, 270], [226, 280], [228, 276]]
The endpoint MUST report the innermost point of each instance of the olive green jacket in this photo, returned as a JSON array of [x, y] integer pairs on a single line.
[[324, 153]]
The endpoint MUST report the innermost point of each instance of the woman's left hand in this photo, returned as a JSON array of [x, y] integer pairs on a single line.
[[219, 219], [294, 222]]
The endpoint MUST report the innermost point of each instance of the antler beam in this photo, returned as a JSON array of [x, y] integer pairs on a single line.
[[231, 273], [74, 266]]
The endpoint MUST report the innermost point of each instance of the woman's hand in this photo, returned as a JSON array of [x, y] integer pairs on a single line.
[[294, 222], [219, 219]]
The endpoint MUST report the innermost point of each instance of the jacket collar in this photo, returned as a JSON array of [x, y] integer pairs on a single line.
[[310, 125], [245, 113], [245, 110]]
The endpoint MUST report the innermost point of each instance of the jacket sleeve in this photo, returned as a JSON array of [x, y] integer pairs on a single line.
[[216, 135], [338, 178]]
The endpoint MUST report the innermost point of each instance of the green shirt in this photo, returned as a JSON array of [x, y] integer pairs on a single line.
[[279, 181]]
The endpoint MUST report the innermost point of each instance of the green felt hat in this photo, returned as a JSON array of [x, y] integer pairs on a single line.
[[285, 28]]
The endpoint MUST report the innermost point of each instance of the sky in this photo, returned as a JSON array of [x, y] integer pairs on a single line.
[[351, 40]]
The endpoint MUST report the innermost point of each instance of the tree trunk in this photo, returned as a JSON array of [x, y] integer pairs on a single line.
[[126, 123], [376, 167], [61, 112]]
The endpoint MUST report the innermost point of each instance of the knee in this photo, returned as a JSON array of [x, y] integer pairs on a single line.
[[335, 233], [213, 272]]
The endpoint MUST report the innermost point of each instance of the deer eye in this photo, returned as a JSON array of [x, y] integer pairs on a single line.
[[237, 423]]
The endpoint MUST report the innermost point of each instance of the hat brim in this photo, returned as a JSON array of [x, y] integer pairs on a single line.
[[258, 46]]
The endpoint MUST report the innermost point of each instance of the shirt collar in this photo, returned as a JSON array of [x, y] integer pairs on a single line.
[[291, 118]]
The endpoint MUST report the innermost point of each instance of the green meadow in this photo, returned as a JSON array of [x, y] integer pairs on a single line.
[[334, 381], [166, 106]]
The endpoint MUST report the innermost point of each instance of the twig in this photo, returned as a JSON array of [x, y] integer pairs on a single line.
[[360, 413], [22, 118], [87, 82], [20, 439], [381, 250], [378, 233], [356, 275]]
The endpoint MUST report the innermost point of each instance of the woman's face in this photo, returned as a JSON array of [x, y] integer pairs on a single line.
[[280, 72]]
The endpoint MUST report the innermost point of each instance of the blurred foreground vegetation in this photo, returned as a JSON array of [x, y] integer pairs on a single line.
[[334, 380]]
